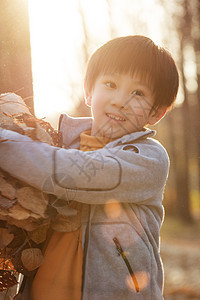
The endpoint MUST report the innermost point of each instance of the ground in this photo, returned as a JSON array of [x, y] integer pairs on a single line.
[[180, 244]]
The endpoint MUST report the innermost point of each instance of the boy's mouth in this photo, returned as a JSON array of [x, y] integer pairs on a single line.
[[115, 117]]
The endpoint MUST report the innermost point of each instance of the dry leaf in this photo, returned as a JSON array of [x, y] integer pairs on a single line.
[[18, 212], [31, 258], [28, 131], [43, 136], [32, 199], [22, 205], [2, 173], [5, 237], [6, 189], [12, 104], [66, 224], [64, 209], [36, 216], [39, 235], [28, 224], [8, 280], [3, 213], [3, 140], [6, 203]]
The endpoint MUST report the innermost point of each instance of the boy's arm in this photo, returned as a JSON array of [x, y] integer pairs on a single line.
[[109, 174]]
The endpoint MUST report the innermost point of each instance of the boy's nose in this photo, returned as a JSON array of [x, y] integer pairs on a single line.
[[120, 101]]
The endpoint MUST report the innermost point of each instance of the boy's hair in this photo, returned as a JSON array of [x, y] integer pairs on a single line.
[[137, 55]]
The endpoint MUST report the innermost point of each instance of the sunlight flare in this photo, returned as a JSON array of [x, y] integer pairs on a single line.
[[64, 33]]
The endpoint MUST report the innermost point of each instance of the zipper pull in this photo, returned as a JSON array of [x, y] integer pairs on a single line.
[[123, 255], [118, 246]]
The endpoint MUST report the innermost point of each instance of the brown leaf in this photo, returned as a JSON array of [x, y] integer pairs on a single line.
[[6, 203], [3, 140], [18, 212], [31, 258], [66, 224], [3, 213], [10, 124], [32, 199], [12, 104], [25, 224], [35, 216], [5, 237], [29, 224], [8, 280], [27, 120], [28, 131], [39, 235], [2, 173], [63, 208], [43, 136], [6, 189]]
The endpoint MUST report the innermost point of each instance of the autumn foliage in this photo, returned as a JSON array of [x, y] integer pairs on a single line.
[[26, 214]]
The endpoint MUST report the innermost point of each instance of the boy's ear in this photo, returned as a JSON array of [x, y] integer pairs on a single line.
[[88, 97], [88, 101], [157, 114]]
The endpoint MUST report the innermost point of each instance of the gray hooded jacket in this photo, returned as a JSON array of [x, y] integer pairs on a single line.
[[121, 187]]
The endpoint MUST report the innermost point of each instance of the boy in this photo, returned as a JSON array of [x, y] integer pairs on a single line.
[[130, 82]]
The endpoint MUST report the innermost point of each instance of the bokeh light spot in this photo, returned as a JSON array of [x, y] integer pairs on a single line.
[[143, 279], [113, 209]]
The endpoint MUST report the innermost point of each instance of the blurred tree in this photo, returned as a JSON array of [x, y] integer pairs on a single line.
[[196, 38], [81, 109], [185, 149], [15, 59], [112, 29], [183, 181]]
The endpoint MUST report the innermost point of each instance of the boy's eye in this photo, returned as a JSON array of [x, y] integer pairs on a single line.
[[138, 93], [110, 84]]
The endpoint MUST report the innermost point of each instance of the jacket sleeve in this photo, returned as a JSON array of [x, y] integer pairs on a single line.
[[109, 174]]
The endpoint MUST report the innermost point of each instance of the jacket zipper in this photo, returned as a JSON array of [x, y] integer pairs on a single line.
[[123, 255]]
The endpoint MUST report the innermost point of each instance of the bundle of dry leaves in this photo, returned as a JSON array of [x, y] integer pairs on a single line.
[[26, 214]]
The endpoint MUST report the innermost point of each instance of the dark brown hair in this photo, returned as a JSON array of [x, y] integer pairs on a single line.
[[137, 55]]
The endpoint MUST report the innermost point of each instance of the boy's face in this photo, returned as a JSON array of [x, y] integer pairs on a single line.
[[121, 104]]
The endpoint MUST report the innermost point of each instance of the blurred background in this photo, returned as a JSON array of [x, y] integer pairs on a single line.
[[45, 45]]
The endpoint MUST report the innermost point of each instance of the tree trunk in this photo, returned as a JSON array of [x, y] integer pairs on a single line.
[[182, 155], [15, 59], [197, 54]]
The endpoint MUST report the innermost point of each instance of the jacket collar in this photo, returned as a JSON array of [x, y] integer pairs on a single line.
[[71, 129]]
